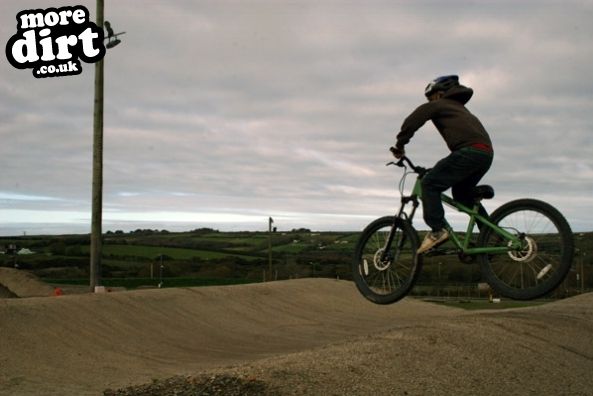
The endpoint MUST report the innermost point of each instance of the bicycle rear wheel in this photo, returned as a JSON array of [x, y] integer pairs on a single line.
[[544, 258], [381, 276]]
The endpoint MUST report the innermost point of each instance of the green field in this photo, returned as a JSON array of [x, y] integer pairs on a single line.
[[205, 254], [153, 252]]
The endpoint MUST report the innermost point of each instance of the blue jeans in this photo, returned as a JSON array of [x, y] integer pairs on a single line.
[[461, 171]]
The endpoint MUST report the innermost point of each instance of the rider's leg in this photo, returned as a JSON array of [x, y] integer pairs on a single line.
[[432, 207], [462, 191], [446, 173], [437, 180]]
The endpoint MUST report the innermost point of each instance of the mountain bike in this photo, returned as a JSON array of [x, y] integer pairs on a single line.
[[524, 248]]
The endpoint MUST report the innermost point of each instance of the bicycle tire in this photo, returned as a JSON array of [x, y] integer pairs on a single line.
[[546, 255], [385, 282]]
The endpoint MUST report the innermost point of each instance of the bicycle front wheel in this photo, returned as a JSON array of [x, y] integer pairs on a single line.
[[385, 272], [544, 259]]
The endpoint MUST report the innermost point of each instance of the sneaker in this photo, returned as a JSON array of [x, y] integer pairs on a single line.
[[433, 239]]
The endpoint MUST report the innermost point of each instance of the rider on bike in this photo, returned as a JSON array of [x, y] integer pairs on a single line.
[[470, 158]]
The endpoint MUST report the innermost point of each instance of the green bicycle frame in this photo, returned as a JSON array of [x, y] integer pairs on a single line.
[[474, 217]]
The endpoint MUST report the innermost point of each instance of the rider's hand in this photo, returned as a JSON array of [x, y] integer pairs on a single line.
[[397, 152]]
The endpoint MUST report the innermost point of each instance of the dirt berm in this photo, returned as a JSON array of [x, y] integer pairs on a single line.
[[18, 283], [307, 337]]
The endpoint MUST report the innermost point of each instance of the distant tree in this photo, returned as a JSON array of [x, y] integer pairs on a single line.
[[57, 248], [75, 251], [300, 230], [145, 231], [203, 230]]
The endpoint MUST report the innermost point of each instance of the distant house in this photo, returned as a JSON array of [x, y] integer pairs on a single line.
[[10, 249]]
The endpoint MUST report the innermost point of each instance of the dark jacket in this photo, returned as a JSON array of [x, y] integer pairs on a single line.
[[456, 124]]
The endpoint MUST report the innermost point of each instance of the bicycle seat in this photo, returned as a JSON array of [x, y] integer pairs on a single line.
[[483, 192]]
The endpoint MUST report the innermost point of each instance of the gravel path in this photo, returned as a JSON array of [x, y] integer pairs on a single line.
[[300, 337]]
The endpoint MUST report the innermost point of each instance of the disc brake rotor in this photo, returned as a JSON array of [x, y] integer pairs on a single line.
[[527, 253], [381, 265]]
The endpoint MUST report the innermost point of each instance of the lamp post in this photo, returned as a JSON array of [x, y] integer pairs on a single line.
[[97, 189], [270, 222]]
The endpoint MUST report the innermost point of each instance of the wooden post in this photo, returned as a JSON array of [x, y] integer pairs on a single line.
[[582, 272], [270, 221], [97, 189]]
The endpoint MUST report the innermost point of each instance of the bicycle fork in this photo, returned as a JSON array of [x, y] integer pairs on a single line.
[[401, 216], [386, 253]]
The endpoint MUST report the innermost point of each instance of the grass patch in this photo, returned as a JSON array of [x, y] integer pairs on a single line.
[[152, 252]]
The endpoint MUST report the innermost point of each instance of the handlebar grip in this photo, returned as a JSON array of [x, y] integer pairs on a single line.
[[402, 163]]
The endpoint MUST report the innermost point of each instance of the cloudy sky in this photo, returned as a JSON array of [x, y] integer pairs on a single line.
[[222, 113]]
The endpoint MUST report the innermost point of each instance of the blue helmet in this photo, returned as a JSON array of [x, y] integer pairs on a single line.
[[442, 83]]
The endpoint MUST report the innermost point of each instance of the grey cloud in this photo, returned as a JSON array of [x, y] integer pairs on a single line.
[[265, 107]]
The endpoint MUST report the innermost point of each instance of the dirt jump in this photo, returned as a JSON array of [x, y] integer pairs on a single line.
[[298, 337], [17, 283]]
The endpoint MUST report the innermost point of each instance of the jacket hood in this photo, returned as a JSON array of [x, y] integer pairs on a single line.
[[460, 93]]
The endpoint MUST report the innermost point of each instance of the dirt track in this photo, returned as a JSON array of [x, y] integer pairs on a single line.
[[310, 336], [19, 283]]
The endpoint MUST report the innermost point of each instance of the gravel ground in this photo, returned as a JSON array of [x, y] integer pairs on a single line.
[[223, 385], [544, 350], [299, 337]]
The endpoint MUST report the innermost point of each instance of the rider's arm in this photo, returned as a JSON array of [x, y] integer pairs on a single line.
[[414, 122]]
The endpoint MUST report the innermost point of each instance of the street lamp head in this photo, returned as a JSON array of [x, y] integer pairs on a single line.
[[111, 37], [108, 28], [113, 43]]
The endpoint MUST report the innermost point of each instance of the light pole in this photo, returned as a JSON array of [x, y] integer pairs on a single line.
[[270, 222], [97, 189], [582, 272], [97, 192]]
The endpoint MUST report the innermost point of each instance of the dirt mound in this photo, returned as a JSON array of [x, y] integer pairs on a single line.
[[310, 336], [546, 350], [5, 293], [21, 283]]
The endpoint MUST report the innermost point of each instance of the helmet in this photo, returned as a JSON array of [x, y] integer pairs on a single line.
[[441, 84]]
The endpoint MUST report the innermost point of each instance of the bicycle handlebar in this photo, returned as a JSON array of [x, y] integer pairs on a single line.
[[402, 164]]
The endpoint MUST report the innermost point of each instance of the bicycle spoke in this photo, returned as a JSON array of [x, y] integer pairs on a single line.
[[544, 257], [386, 275]]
